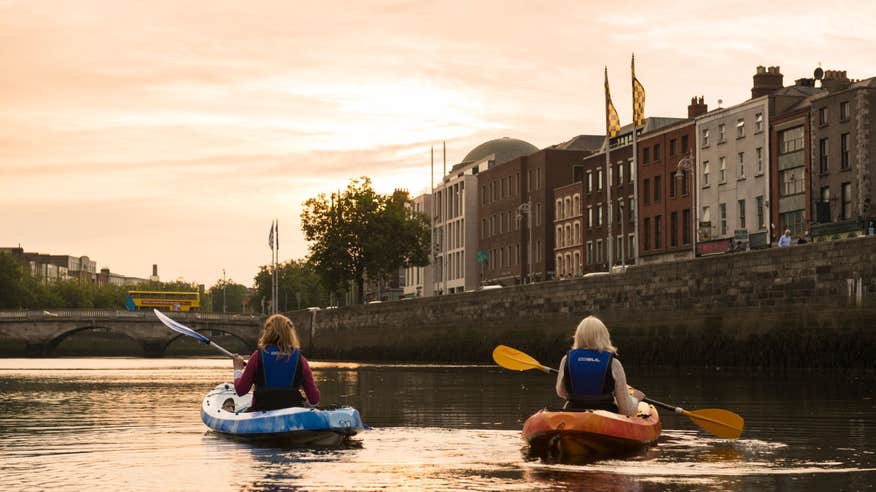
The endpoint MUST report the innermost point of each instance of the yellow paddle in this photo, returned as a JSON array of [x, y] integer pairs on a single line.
[[722, 423]]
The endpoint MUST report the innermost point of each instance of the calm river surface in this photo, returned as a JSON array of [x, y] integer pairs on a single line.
[[134, 424]]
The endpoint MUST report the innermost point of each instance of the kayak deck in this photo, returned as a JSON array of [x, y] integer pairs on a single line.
[[225, 412]]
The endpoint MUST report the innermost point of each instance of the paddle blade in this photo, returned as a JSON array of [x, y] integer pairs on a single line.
[[515, 360], [180, 328], [722, 423]]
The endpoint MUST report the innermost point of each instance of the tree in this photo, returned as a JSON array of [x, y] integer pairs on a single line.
[[234, 295], [300, 286], [15, 293], [359, 233]]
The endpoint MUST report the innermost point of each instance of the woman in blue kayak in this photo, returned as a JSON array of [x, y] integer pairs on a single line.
[[590, 375], [277, 369]]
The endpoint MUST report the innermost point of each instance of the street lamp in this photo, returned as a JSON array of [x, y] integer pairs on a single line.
[[526, 209], [687, 164], [224, 285]]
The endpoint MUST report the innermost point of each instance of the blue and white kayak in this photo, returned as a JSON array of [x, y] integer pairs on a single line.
[[297, 425]]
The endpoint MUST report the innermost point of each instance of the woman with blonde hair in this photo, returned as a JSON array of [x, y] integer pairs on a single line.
[[591, 376], [277, 369]]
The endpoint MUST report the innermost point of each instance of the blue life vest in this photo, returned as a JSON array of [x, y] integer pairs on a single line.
[[588, 379], [277, 380]]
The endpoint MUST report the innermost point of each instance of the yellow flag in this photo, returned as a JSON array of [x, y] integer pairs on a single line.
[[638, 97], [612, 122]]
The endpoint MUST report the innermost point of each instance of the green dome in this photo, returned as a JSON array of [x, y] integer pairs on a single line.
[[505, 149]]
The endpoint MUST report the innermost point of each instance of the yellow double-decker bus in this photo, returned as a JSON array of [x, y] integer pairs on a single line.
[[168, 301]]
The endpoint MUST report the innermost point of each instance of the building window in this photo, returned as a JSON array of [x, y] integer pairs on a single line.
[[722, 209], [672, 148], [576, 204], [792, 182], [647, 191], [705, 173], [560, 236], [630, 171], [684, 183], [568, 241], [758, 122], [631, 245], [722, 133], [740, 128], [740, 165], [646, 155], [741, 207], [560, 270], [844, 151], [588, 253], [599, 251], [599, 215], [685, 226], [761, 222], [576, 264], [538, 215], [793, 221], [792, 140], [657, 189], [822, 116], [758, 153], [589, 182], [599, 179], [657, 152], [673, 229], [658, 231], [619, 254], [646, 239], [620, 174], [707, 214], [722, 171], [684, 144], [577, 232], [844, 111], [705, 137], [589, 217], [846, 192], [672, 181], [823, 162]]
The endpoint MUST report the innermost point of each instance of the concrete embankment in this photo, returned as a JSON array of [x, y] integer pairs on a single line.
[[806, 306]]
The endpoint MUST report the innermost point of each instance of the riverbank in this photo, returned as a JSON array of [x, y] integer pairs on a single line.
[[805, 306]]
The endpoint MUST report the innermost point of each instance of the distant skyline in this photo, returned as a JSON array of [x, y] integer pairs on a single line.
[[174, 132]]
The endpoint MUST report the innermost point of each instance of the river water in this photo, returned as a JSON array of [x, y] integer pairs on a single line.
[[134, 424]]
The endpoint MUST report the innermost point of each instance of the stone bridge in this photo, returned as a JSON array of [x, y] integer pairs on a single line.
[[42, 331]]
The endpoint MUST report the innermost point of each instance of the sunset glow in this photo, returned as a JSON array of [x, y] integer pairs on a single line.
[[173, 133]]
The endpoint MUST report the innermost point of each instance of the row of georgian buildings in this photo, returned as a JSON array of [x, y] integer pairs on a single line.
[[48, 268], [795, 157]]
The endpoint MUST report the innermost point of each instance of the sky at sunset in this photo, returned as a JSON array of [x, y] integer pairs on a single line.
[[174, 132]]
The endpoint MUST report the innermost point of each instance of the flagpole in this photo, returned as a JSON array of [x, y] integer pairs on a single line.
[[608, 206], [635, 170]]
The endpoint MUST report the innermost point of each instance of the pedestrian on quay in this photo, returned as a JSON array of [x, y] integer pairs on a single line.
[[785, 240], [591, 376], [277, 369]]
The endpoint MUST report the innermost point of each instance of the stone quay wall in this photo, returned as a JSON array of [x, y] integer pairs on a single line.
[[809, 305]]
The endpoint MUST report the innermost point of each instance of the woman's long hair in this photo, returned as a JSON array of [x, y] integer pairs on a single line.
[[279, 331], [592, 334]]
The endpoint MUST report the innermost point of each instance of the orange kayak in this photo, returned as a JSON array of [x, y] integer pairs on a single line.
[[591, 433]]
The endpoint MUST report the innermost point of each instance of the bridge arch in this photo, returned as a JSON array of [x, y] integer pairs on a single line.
[[52, 344]]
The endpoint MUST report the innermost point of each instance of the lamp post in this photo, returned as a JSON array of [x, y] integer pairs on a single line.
[[687, 164], [224, 285], [526, 209]]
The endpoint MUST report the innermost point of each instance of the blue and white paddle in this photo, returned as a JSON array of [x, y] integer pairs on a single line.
[[185, 330]]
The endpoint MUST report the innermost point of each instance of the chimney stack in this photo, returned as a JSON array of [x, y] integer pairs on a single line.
[[766, 81], [697, 107], [835, 80], [154, 269]]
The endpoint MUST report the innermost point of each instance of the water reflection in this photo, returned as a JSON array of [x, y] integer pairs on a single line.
[[135, 423]]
